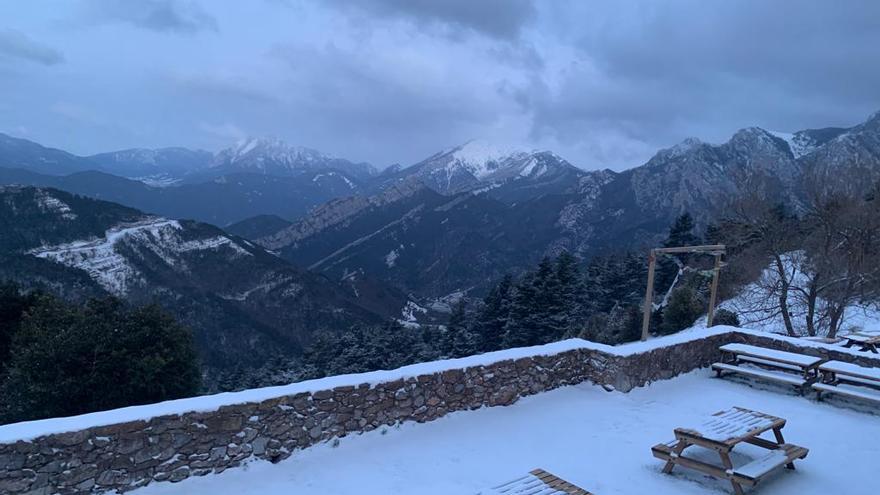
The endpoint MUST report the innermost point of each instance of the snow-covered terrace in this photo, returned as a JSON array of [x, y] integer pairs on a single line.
[[596, 439]]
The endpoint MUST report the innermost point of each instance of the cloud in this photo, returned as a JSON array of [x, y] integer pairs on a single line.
[[15, 44], [655, 73], [503, 19], [180, 16], [227, 131]]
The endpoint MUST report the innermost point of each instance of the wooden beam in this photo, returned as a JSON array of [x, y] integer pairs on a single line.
[[649, 296], [709, 248], [713, 294]]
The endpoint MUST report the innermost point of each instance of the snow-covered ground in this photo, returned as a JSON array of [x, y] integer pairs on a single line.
[[758, 310], [596, 439]]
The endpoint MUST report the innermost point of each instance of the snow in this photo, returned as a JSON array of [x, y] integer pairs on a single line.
[[98, 257], [772, 354], [595, 439], [731, 424], [49, 203], [764, 464], [349, 183], [158, 180], [478, 156], [526, 485], [756, 311], [843, 368], [408, 316], [684, 147], [799, 144], [246, 146], [33, 429], [104, 264], [391, 257]]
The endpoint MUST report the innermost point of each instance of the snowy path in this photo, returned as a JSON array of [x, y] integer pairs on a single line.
[[595, 439]]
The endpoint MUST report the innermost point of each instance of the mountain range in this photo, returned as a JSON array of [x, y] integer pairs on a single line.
[[466, 218], [245, 304], [314, 243]]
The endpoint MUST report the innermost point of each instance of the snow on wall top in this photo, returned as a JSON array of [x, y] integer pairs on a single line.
[[33, 429]]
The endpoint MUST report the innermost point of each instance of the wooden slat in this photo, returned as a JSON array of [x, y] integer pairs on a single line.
[[801, 360], [795, 380], [857, 394], [537, 482], [850, 369]]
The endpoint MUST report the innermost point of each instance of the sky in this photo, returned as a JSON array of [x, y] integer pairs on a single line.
[[601, 83]]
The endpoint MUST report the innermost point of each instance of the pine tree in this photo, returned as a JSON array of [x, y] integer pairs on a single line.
[[536, 309], [571, 293], [67, 360], [457, 339], [681, 233], [682, 310], [492, 319]]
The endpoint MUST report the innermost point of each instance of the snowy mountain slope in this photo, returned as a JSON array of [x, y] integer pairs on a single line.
[[594, 213], [244, 303], [152, 165], [102, 259], [275, 157], [502, 172]]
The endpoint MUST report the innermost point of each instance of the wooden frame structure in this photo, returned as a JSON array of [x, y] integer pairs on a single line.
[[716, 250]]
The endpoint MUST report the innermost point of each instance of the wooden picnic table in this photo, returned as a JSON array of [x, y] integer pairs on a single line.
[[867, 341], [789, 368], [723, 431]]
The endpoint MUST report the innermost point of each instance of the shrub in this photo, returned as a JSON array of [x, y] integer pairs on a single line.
[[725, 317], [681, 311]]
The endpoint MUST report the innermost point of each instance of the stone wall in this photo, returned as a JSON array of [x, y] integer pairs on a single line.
[[174, 447]]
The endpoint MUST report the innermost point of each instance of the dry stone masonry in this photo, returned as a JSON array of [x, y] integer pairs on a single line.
[[172, 448]]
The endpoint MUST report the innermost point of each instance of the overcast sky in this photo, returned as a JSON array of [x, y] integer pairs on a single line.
[[602, 83]]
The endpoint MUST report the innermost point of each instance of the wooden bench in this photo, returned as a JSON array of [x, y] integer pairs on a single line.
[[537, 482], [837, 376], [721, 433], [789, 368]]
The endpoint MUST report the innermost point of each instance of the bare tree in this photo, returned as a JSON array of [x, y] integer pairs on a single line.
[[811, 266], [762, 235], [842, 248]]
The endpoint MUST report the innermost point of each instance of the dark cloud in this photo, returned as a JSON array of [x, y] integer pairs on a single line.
[[658, 72], [502, 19], [602, 83], [158, 15], [15, 44]]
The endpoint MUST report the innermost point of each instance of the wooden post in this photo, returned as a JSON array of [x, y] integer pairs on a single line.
[[714, 292], [649, 296]]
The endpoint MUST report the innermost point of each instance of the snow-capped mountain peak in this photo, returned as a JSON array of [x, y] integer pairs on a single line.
[[481, 158], [264, 149], [273, 156]]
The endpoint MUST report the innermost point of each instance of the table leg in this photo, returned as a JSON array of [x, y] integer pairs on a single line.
[[728, 466], [777, 432], [676, 451]]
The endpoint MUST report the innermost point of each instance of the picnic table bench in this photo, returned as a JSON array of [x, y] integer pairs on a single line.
[[867, 341], [723, 431], [537, 482], [837, 373], [789, 368]]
